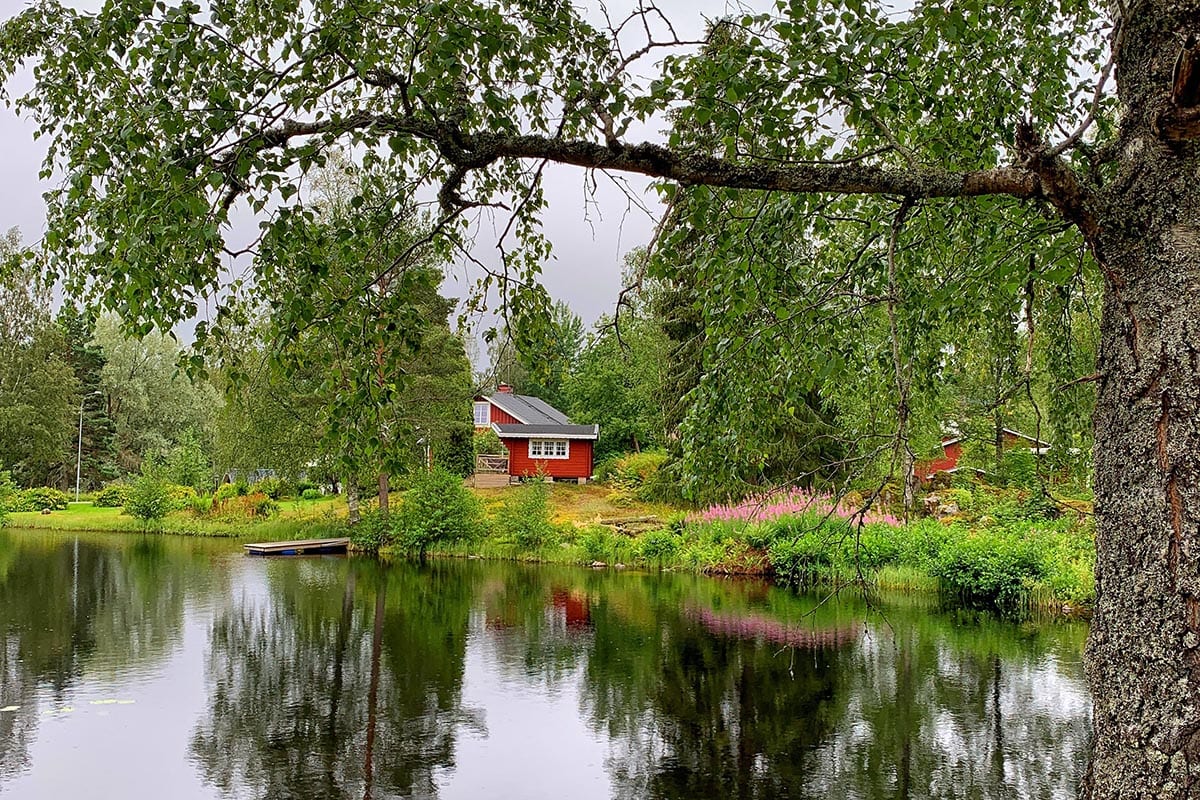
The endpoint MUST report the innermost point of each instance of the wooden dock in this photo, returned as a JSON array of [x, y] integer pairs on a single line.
[[302, 547]]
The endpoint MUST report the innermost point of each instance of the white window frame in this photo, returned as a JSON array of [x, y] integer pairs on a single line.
[[487, 414], [552, 446]]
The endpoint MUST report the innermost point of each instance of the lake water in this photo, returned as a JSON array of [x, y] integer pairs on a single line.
[[160, 667]]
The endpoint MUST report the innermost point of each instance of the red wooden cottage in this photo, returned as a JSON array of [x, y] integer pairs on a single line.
[[540, 439], [952, 450]]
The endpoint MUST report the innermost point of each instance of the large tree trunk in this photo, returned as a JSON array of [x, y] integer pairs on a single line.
[[1143, 661], [1144, 651]]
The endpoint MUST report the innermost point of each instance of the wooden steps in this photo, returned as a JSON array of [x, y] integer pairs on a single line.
[[489, 480]]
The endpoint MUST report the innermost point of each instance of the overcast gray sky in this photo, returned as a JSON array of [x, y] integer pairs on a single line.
[[592, 228]]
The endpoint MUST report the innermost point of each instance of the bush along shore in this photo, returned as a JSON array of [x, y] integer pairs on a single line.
[[1012, 557]]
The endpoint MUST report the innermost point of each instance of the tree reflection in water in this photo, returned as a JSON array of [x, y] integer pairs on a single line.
[[83, 604], [344, 681]]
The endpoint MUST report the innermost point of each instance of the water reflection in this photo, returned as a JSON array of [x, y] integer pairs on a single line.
[[75, 610], [334, 677], [344, 680]]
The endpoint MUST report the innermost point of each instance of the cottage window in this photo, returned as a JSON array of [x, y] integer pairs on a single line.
[[549, 448], [482, 417]]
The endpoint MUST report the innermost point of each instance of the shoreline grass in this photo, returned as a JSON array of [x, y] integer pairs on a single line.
[[296, 520]]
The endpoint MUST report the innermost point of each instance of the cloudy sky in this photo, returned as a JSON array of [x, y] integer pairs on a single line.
[[592, 224]]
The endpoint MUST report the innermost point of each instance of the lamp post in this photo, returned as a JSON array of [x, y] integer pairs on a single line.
[[79, 448]]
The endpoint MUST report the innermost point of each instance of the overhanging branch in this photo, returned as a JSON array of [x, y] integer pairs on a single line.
[[467, 152]]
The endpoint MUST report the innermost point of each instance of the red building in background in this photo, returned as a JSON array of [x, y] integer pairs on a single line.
[[952, 450], [540, 439]]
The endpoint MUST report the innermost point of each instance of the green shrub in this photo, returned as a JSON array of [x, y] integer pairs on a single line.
[[801, 561], [199, 505], [458, 452], [633, 473], [873, 547], [228, 491], [959, 497], [525, 515], [310, 494], [597, 543], [260, 505], [304, 486], [274, 488], [655, 547], [372, 531], [39, 499], [761, 536], [488, 443], [922, 540], [1039, 506], [989, 566], [252, 506], [149, 500], [115, 495], [438, 508], [1067, 553], [804, 547], [662, 486], [1018, 467], [186, 464], [180, 496], [8, 492]]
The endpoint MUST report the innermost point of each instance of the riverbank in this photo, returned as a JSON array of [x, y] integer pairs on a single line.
[[296, 519], [1001, 560], [1046, 568], [1004, 556]]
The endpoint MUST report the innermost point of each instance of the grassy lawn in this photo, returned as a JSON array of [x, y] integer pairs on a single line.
[[570, 503], [296, 519], [589, 503]]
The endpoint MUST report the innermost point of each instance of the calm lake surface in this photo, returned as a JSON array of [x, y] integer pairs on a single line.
[[158, 667]]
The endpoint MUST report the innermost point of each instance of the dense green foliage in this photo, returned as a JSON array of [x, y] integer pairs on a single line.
[[38, 389], [437, 509], [149, 500], [537, 355], [8, 491], [639, 476], [38, 499], [619, 383], [524, 516], [158, 411], [486, 442], [381, 380], [372, 531], [113, 495], [100, 453]]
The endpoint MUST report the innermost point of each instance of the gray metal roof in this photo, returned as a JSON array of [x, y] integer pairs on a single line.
[[546, 431], [530, 410]]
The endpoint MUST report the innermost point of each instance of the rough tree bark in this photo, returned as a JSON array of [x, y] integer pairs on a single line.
[[384, 487], [1144, 652]]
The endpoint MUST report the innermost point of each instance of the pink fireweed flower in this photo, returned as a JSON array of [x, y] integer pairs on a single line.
[[789, 503]]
